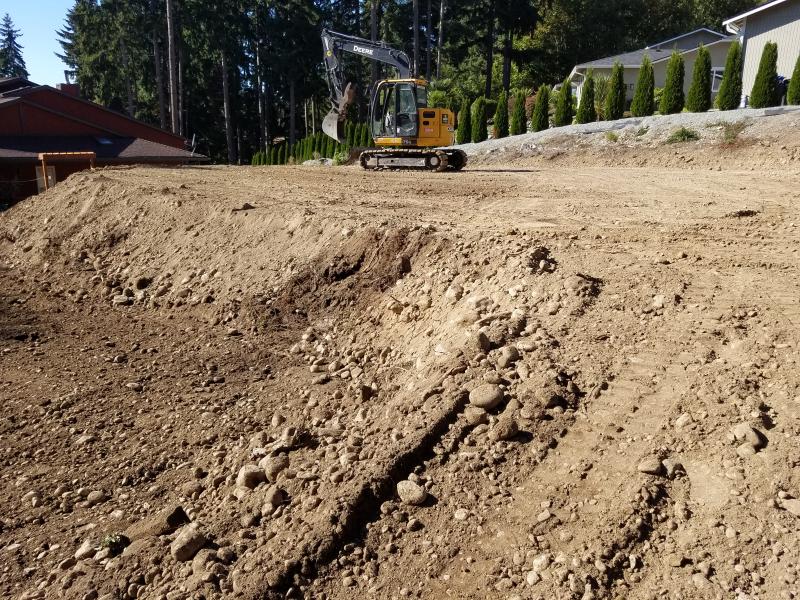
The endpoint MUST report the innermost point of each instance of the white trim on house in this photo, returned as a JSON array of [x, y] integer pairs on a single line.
[[680, 37], [732, 24]]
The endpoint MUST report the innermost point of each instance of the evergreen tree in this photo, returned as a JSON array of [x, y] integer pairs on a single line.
[[464, 133], [564, 110], [479, 128], [765, 87], [729, 96], [672, 99], [540, 120], [793, 94], [615, 100], [644, 97], [519, 120], [699, 98], [586, 109], [12, 64], [500, 129]]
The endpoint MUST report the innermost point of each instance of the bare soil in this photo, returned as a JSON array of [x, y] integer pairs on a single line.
[[213, 380]]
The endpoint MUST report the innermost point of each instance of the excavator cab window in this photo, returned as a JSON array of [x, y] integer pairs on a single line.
[[394, 110]]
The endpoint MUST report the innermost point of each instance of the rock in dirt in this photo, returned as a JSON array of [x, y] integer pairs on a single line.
[[651, 466], [508, 356], [250, 476], [505, 429], [273, 465], [188, 543], [411, 493], [792, 506], [744, 432], [475, 415], [165, 521], [486, 396]]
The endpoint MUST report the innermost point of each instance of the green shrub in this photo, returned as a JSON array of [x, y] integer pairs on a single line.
[[683, 135], [437, 99], [464, 133], [672, 100], [732, 131], [612, 136], [615, 101], [765, 88], [500, 129], [729, 96], [519, 120], [601, 86], [564, 109], [541, 110], [586, 109], [479, 127], [642, 131], [643, 99], [699, 98], [793, 94]]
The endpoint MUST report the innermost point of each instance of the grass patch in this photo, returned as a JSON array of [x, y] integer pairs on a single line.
[[732, 131], [642, 131], [612, 137], [683, 135]]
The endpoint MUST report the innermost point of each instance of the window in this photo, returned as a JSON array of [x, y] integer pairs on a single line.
[[716, 78]]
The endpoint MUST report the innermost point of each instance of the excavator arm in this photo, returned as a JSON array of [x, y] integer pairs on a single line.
[[333, 45]]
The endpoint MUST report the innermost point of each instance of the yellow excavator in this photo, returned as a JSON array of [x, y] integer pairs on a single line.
[[408, 133]]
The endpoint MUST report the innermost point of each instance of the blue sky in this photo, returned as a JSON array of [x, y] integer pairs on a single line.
[[38, 21]]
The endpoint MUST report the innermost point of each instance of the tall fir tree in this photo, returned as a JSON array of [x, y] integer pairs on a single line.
[[644, 97], [519, 120], [540, 120], [672, 99], [793, 93], [500, 129], [586, 109], [615, 100], [12, 64], [564, 109], [479, 127], [699, 97], [464, 133], [765, 87], [729, 96]]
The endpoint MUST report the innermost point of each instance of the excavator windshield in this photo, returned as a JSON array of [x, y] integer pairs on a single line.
[[394, 109]]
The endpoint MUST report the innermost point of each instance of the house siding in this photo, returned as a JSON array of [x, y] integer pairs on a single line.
[[781, 25]]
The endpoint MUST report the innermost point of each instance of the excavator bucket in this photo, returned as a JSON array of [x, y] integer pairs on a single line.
[[333, 123]]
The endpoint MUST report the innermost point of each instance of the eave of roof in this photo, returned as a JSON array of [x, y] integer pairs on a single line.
[[608, 62], [108, 149], [685, 35], [732, 23]]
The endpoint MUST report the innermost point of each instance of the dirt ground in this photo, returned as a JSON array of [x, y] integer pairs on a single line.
[[563, 376]]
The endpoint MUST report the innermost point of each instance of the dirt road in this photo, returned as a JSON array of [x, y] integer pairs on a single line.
[[526, 380]]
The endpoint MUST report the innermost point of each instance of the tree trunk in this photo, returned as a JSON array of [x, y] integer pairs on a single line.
[[182, 114], [428, 28], [507, 46], [292, 114], [173, 69], [441, 40], [262, 127], [489, 51], [162, 101], [129, 102], [313, 117], [415, 4], [373, 28], [226, 106]]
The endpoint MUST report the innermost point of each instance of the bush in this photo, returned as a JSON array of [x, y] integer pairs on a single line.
[[479, 128], [699, 99], [612, 137], [765, 88], [793, 94], [600, 94], [732, 131], [464, 133], [501, 117], [586, 109], [437, 99], [644, 98], [519, 120], [541, 110], [615, 101], [683, 135], [730, 90], [564, 110], [672, 100]]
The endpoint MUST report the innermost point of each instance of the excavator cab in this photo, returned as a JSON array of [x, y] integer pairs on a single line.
[[395, 109]]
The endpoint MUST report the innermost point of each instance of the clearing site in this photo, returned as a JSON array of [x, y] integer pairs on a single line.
[[569, 371]]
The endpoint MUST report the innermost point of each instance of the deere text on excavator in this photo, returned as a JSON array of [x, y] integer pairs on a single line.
[[408, 133]]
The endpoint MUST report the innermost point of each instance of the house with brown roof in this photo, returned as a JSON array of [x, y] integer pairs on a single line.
[[46, 134]]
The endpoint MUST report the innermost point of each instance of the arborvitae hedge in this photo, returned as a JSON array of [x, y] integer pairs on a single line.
[[541, 110], [644, 103], [479, 130], [793, 94], [672, 100], [615, 100], [729, 96], [519, 120], [464, 133], [586, 110], [272, 157], [765, 88], [500, 129], [564, 110], [699, 98]]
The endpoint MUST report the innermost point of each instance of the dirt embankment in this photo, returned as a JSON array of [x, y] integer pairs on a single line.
[[512, 382]]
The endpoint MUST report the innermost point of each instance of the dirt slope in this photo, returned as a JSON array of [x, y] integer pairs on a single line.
[[513, 382]]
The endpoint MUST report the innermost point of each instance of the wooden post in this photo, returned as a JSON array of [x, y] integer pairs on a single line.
[[44, 172]]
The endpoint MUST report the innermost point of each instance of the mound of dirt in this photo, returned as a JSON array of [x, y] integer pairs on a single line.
[[299, 383]]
